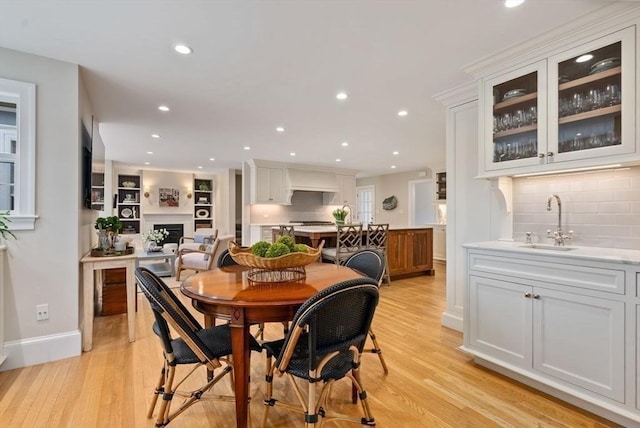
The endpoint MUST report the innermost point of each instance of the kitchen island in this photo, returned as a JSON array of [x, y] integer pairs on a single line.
[[409, 249]]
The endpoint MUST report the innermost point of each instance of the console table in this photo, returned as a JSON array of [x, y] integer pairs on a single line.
[[91, 265]]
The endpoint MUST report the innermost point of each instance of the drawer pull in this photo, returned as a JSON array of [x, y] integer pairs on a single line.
[[527, 295], [536, 296]]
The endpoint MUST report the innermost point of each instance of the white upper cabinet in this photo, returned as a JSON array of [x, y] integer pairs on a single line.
[[268, 185], [346, 194], [573, 109]]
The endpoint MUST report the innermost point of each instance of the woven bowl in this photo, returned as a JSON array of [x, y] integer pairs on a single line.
[[243, 256]]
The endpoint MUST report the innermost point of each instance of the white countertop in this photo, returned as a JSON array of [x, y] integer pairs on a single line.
[[577, 252], [321, 229]]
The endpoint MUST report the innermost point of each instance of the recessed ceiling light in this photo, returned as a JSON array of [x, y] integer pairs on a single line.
[[212, 159], [338, 160], [147, 163], [513, 3], [149, 153], [584, 58], [393, 167], [163, 108], [403, 113], [183, 49], [155, 136], [247, 148], [199, 167], [342, 96], [280, 129], [345, 144], [396, 152], [292, 154]]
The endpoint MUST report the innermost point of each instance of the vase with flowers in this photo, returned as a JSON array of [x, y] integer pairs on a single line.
[[339, 215], [153, 239]]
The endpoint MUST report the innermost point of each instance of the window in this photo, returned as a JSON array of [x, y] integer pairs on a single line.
[[17, 152]]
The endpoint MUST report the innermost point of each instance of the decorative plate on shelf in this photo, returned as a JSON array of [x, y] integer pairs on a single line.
[[126, 213], [129, 184], [604, 65], [514, 93], [202, 213]]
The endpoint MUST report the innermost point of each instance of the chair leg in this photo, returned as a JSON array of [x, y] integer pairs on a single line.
[[167, 395], [268, 401], [159, 390], [376, 350], [386, 277]]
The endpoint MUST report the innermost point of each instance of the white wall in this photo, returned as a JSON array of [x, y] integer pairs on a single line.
[[601, 207], [393, 185], [43, 264]]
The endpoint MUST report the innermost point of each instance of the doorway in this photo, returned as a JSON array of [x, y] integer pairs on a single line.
[[421, 209]]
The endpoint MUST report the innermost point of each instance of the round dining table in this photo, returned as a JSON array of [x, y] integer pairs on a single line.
[[227, 293]]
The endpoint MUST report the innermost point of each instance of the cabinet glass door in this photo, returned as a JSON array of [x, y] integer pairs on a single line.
[[518, 125], [588, 111]]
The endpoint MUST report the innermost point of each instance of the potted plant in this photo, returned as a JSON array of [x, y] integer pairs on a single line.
[[108, 229], [340, 214], [4, 228]]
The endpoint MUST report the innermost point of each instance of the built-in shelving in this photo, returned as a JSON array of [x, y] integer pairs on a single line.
[[128, 203], [202, 203]]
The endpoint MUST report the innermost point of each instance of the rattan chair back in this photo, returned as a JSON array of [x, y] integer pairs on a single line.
[[323, 345], [225, 259], [367, 261], [377, 236]]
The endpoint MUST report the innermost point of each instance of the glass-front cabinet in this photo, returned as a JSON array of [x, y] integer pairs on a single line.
[[573, 109], [517, 129], [588, 115]]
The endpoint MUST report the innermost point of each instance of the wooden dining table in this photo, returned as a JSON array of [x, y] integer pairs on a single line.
[[227, 293]]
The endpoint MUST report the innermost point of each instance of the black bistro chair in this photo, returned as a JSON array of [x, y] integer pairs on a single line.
[[324, 345], [208, 347]]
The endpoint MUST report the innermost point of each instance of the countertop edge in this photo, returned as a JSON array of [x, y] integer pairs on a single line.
[[601, 254]]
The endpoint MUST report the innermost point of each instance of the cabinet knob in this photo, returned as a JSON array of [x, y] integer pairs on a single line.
[[536, 296], [540, 155], [549, 154], [527, 295]]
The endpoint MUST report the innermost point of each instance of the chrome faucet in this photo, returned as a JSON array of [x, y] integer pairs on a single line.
[[557, 236], [347, 207]]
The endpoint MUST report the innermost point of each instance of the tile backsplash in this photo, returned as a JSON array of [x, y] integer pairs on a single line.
[[601, 207]]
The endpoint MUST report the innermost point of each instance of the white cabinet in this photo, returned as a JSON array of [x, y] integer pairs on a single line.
[[346, 194], [261, 233], [572, 109], [440, 242], [558, 321], [269, 185]]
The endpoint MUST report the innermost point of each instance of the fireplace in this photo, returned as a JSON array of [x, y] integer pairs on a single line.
[[176, 231]]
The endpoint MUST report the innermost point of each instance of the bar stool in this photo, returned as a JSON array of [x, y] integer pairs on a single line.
[[349, 241], [377, 234], [287, 230]]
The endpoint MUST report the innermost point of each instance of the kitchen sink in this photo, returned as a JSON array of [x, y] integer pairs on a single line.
[[547, 247]]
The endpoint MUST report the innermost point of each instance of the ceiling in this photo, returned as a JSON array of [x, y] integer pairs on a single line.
[[258, 65]]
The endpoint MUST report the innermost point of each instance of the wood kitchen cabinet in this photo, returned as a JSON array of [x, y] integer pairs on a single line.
[[410, 251]]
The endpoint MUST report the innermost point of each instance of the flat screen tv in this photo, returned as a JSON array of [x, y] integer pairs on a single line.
[[93, 155]]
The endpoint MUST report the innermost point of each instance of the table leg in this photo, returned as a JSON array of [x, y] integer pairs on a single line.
[[241, 365], [87, 306], [131, 299]]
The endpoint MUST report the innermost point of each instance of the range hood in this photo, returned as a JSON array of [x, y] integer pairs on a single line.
[[313, 181], [309, 181]]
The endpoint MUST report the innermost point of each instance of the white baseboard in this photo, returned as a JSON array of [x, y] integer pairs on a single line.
[[451, 321], [43, 349]]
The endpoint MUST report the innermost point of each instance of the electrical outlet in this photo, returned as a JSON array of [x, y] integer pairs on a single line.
[[42, 312]]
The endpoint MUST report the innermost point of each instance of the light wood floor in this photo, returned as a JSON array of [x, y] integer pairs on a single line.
[[430, 383]]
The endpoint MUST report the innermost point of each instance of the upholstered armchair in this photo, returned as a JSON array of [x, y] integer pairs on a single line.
[[203, 258], [200, 236]]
